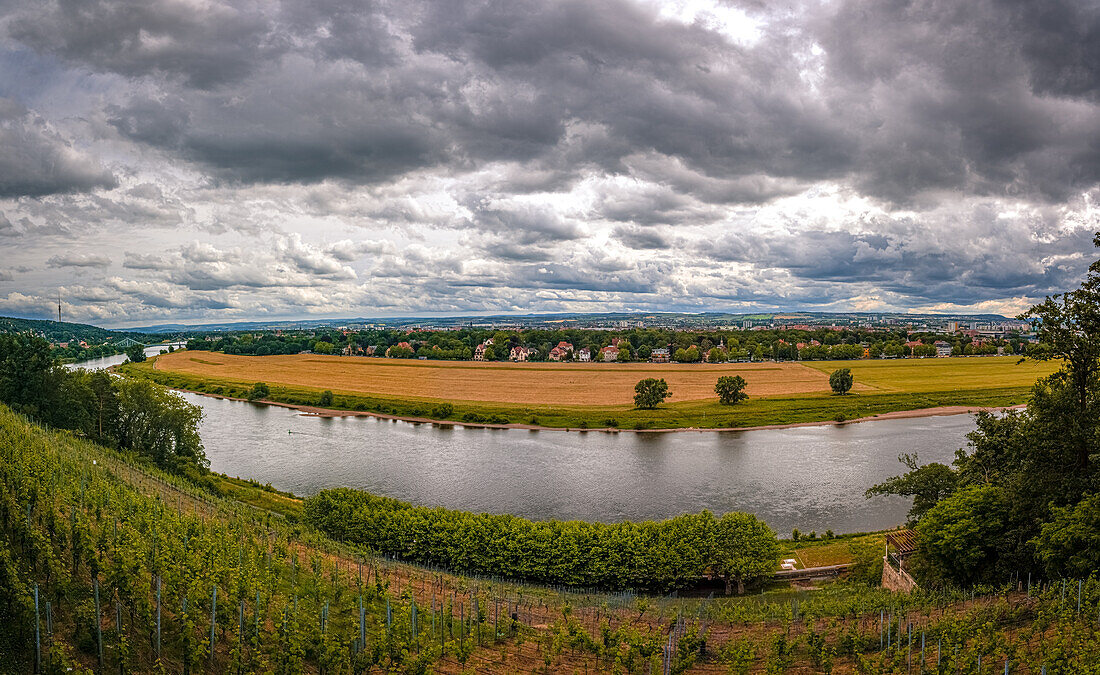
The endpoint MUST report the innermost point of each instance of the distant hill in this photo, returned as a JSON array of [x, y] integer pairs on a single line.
[[678, 319], [63, 331]]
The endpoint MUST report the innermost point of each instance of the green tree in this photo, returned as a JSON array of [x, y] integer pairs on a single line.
[[730, 389], [326, 399], [161, 425], [644, 352], [745, 550], [624, 354], [30, 378], [841, 381], [259, 390], [962, 537], [322, 347], [650, 393], [136, 353], [1069, 545], [927, 485], [1069, 327]]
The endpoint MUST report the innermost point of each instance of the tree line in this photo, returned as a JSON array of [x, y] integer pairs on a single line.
[[1025, 498], [636, 343], [135, 416], [658, 556]]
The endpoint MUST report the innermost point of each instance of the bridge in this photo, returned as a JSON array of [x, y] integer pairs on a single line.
[[127, 342]]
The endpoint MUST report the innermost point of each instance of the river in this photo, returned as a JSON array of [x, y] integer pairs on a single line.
[[810, 478]]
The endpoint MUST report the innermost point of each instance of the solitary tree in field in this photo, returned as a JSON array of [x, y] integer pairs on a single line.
[[258, 391], [136, 353], [745, 550], [841, 381], [650, 393], [326, 399], [730, 390]]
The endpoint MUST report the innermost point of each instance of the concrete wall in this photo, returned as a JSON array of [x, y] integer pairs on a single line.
[[896, 580]]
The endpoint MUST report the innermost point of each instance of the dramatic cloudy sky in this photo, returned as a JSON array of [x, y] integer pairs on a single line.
[[190, 160]]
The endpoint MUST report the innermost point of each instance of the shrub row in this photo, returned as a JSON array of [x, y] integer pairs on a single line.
[[649, 555]]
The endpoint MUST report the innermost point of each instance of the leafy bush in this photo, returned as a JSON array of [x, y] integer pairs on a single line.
[[259, 390], [653, 555], [443, 411], [326, 399]]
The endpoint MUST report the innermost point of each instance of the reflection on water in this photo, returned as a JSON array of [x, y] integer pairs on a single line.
[[810, 478]]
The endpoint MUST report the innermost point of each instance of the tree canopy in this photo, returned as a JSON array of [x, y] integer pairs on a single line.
[[841, 381], [650, 393], [730, 389]]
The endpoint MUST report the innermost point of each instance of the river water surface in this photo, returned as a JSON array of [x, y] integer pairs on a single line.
[[810, 478]]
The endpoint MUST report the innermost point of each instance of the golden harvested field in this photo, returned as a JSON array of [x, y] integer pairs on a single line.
[[516, 383], [933, 374]]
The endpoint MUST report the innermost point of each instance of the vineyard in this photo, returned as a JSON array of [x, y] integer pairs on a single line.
[[109, 566]]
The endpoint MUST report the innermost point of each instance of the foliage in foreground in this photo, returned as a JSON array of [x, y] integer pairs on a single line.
[[135, 416], [1026, 498], [70, 524], [651, 555]]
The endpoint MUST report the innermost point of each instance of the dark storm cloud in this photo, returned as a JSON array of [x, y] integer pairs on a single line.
[[523, 154], [641, 238], [986, 97], [35, 160], [205, 44]]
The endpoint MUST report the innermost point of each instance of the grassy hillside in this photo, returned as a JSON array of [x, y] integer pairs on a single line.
[[55, 331], [75, 517]]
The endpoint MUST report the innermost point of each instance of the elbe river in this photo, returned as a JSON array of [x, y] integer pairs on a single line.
[[809, 478]]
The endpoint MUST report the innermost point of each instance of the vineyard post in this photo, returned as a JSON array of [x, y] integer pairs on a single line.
[[37, 635], [186, 639], [49, 623], [922, 651], [881, 616], [213, 619], [1078, 598], [910, 657], [118, 637], [98, 624], [240, 638], [158, 617]]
